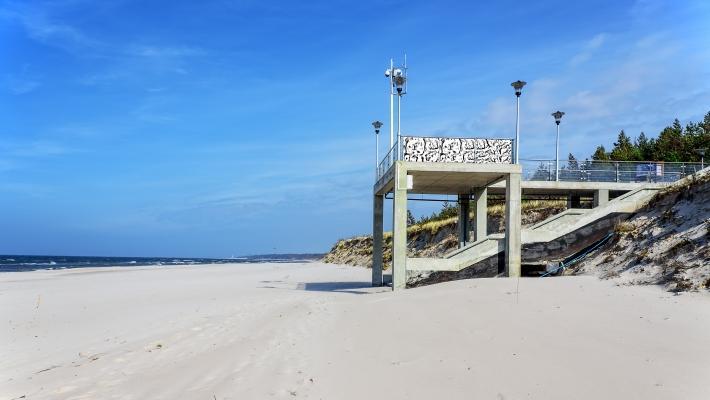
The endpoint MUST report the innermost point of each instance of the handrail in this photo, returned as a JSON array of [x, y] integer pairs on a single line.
[[390, 157], [608, 170], [586, 161]]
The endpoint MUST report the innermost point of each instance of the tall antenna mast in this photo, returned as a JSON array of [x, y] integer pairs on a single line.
[[391, 76]]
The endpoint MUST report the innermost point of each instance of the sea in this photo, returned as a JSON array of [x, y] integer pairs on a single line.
[[17, 263]]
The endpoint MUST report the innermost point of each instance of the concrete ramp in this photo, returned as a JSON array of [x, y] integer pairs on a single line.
[[565, 218], [460, 258], [555, 237]]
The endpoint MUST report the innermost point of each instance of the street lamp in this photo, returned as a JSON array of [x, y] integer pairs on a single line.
[[398, 85], [377, 125], [518, 86], [558, 118]]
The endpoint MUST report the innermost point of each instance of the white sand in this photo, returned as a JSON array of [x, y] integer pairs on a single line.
[[262, 331]]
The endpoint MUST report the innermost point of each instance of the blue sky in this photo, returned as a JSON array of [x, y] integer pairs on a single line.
[[182, 128]]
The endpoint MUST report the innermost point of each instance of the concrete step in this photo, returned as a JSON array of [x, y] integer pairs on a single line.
[[549, 231]]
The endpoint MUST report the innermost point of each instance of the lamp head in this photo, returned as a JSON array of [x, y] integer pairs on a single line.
[[558, 116], [377, 125], [518, 86]]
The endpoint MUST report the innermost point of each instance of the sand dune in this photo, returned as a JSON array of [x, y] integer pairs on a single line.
[[318, 331]]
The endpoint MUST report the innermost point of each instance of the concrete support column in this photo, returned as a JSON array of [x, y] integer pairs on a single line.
[[574, 201], [399, 229], [377, 238], [601, 197], [480, 213], [512, 225], [464, 222]]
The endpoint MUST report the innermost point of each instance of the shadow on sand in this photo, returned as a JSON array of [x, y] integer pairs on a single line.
[[338, 287]]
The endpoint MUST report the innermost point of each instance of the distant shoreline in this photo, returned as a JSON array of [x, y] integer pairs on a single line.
[[24, 263]]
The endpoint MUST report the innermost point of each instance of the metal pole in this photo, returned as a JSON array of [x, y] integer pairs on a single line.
[[557, 155], [399, 119], [517, 128], [377, 155], [391, 103]]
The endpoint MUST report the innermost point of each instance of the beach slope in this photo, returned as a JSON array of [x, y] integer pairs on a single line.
[[257, 331]]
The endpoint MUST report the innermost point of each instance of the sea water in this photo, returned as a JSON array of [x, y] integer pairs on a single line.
[[14, 263]]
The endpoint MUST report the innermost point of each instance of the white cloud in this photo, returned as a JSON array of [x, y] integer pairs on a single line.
[[639, 83], [588, 49], [41, 27], [153, 51]]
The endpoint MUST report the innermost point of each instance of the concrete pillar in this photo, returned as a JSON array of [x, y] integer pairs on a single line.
[[480, 213], [601, 197], [399, 229], [512, 225], [377, 240], [464, 222], [574, 201]]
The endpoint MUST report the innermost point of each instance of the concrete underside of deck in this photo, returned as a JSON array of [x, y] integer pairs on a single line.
[[467, 180]]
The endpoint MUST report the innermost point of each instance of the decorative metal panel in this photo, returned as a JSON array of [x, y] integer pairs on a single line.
[[463, 150]]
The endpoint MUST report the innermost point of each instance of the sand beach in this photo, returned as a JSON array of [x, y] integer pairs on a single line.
[[311, 330]]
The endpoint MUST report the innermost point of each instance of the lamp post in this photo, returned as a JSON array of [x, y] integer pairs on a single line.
[[398, 85], [558, 118], [377, 125], [518, 86]]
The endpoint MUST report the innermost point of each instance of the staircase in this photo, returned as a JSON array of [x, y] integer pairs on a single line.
[[552, 239]]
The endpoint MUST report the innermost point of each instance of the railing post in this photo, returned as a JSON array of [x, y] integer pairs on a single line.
[[617, 171]]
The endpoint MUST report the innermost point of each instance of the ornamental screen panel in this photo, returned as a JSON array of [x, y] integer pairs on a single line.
[[463, 150]]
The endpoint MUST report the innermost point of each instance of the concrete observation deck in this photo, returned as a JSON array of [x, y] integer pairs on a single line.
[[462, 166], [473, 168]]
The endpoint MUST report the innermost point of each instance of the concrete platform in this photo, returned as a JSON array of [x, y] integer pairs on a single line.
[[448, 178]]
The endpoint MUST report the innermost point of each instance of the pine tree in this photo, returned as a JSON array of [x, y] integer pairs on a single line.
[[410, 218], [600, 154], [645, 147], [674, 144], [572, 163], [624, 149], [669, 146]]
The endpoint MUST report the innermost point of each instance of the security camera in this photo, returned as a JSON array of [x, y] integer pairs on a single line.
[[387, 73]]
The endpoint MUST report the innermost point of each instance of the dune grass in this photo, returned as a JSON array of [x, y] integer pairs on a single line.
[[434, 225]]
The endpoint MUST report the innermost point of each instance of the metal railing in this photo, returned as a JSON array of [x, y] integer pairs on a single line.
[[392, 155], [447, 149], [608, 171]]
